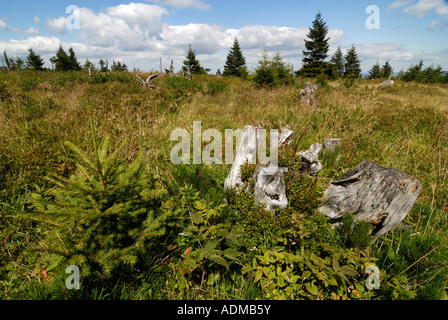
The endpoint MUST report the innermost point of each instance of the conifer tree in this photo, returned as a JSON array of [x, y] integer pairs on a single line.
[[338, 62], [105, 216], [386, 70], [61, 60], [74, 63], [352, 63], [34, 61], [316, 49], [235, 63], [195, 65], [375, 71]]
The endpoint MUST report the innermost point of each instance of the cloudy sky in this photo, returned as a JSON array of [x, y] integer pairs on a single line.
[[140, 33]]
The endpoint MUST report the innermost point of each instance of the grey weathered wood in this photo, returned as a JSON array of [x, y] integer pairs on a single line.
[[188, 73], [148, 82], [310, 159], [382, 196], [269, 187], [386, 83], [246, 151], [308, 95], [286, 135]]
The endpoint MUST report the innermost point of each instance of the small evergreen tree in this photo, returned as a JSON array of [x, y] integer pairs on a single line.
[[316, 48], [104, 65], [195, 65], [413, 72], [235, 63], [119, 67], [6, 60], [386, 70], [338, 61], [272, 72], [61, 60], [34, 61], [73, 61], [375, 71], [352, 64], [105, 217]]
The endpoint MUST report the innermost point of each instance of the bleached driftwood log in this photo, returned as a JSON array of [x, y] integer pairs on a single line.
[[310, 159], [148, 83], [269, 187], [308, 95], [382, 196], [386, 83]]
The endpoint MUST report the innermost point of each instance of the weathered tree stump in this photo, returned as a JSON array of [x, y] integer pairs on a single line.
[[310, 159], [382, 196], [246, 151], [308, 95], [269, 187]]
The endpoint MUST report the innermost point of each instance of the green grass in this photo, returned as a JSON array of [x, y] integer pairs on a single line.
[[404, 126]]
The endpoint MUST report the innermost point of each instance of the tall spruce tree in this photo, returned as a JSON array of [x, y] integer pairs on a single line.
[[337, 60], [375, 71], [352, 64], [386, 70], [193, 63], [235, 63], [61, 60], [34, 61], [316, 49], [74, 63]]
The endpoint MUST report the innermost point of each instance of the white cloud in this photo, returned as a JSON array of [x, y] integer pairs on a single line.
[[36, 20], [422, 7], [6, 27], [180, 4], [56, 25], [398, 4]]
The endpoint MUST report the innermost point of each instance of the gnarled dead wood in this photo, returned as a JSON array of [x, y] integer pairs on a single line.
[[148, 83], [381, 196]]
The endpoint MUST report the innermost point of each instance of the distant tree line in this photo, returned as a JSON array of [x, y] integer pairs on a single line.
[[62, 61]]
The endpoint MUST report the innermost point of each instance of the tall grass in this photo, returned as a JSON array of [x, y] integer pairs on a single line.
[[404, 126]]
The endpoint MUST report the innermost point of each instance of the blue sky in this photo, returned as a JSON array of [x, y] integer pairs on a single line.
[[139, 33]]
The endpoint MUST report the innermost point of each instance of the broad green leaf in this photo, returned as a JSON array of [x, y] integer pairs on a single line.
[[231, 253], [210, 246], [349, 271], [311, 288], [196, 217], [220, 260], [306, 274], [191, 262], [335, 262], [332, 281]]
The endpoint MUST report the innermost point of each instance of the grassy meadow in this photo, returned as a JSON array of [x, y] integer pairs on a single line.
[[170, 231]]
